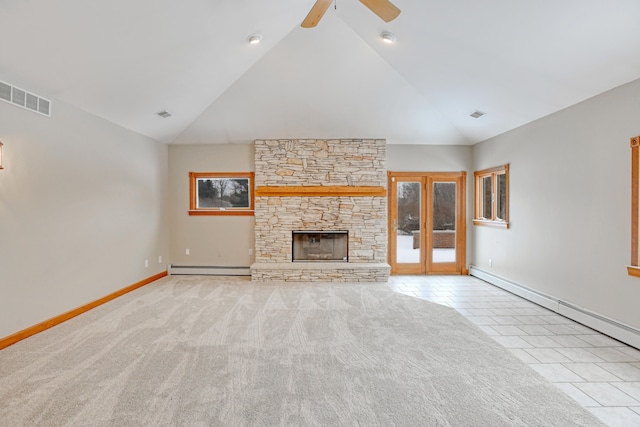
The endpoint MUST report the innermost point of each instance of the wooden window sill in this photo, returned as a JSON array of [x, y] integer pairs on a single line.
[[633, 270], [488, 223], [226, 212]]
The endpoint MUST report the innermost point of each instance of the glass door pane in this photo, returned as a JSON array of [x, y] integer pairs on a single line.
[[443, 224], [408, 195]]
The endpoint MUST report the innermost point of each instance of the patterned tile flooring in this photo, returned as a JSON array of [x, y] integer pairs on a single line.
[[600, 373]]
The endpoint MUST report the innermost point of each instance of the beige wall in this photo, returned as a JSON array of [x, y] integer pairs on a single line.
[[429, 158], [570, 206], [211, 240], [83, 203]]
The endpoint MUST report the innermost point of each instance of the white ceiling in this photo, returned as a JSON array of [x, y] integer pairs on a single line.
[[124, 60]]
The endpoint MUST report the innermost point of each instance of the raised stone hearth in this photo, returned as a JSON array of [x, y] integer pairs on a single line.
[[320, 272], [321, 185]]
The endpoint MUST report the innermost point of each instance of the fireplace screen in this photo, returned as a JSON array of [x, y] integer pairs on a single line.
[[320, 246]]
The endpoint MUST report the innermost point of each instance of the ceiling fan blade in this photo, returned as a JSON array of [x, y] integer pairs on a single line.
[[386, 10], [316, 13]]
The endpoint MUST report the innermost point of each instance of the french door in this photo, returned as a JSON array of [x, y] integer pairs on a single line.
[[427, 224]]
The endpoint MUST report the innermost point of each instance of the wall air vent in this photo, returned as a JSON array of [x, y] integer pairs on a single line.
[[22, 98]]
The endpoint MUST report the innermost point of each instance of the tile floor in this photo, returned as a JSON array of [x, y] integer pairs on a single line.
[[600, 373]]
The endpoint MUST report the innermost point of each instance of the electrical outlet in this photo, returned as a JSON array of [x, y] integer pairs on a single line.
[[160, 259], [186, 251], [146, 263], [250, 251], [490, 262]]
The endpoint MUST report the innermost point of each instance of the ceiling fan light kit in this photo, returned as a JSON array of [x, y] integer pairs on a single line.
[[386, 10]]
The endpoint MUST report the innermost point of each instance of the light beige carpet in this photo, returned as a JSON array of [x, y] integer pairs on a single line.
[[197, 351]]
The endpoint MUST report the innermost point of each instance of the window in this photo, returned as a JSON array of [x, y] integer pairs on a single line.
[[492, 197], [634, 268], [214, 193]]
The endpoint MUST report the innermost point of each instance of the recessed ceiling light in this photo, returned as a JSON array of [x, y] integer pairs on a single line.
[[477, 114], [388, 37], [164, 114], [254, 38]]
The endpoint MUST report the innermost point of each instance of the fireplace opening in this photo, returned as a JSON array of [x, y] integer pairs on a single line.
[[320, 246]]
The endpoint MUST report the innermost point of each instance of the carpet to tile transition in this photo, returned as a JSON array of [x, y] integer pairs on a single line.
[[216, 352]]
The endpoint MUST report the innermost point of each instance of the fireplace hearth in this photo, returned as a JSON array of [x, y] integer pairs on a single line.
[[310, 246]]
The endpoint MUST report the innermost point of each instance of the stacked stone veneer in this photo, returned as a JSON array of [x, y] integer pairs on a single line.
[[347, 162]]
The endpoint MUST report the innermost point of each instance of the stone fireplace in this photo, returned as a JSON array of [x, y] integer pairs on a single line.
[[320, 186]]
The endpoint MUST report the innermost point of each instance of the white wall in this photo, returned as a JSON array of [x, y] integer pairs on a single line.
[[569, 208], [83, 203], [211, 240]]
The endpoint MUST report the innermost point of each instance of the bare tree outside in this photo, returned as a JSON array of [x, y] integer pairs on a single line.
[[223, 193], [501, 207], [408, 206], [487, 192], [444, 206]]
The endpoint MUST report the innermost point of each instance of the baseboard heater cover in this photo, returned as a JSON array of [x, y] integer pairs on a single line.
[[539, 298], [208, 270], [617, 330]]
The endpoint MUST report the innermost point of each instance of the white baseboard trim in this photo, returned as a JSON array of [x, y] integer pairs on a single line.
[[208, 270], [546, 301], [598, 322]]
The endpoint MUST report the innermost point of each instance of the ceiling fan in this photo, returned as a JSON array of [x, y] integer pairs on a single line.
[[386, 10]]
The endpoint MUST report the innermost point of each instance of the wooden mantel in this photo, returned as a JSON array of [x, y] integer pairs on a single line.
[[320, 191]]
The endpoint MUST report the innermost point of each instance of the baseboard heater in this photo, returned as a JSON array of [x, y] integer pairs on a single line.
[[208, 270], [624, 333]]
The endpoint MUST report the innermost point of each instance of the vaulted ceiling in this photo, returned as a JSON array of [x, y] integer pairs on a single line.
[[124, 60]]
